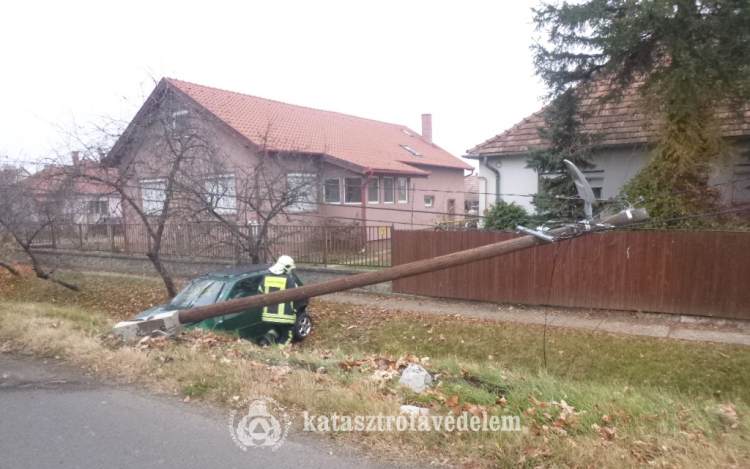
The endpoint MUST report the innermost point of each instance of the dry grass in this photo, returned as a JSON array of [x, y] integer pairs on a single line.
[[642, 402], [119, 297], [639, 425]]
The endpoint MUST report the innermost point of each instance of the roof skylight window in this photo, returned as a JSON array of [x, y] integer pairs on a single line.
[[407, 132], [411, 150]]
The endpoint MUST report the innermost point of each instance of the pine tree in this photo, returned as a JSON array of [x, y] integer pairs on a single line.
[[688, 58], [565, 140]]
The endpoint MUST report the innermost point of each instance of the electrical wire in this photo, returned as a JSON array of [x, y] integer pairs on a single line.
[[550, 196], [379, 207]]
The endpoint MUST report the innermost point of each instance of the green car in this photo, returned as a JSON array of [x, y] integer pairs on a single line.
[[230, 284]]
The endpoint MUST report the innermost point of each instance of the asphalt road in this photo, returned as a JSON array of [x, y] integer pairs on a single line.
[[53, 416]]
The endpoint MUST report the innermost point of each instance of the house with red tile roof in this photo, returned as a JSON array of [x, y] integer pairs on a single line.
[[13, 174], [361, 170], [624, 137], [86, 200]]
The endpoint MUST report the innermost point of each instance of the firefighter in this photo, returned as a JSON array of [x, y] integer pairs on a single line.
[[281, 317]]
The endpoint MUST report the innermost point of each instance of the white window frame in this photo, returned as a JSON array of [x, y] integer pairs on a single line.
[[405, 189], [359, 192], [98, 204], [376, 186], [221, 193], [385, 190], [308, 202], [338, 188], [431, 202], [178, 132], [153, 194]]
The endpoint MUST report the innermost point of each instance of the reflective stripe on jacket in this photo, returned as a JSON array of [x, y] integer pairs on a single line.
[[282, 313]]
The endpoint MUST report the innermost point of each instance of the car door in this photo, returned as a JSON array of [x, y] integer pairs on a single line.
[[248, 323]]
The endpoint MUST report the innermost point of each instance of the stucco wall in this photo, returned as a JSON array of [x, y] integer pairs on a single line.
[[734, 175], [514, 179], [443, 184], [233, 155], [616, 166]]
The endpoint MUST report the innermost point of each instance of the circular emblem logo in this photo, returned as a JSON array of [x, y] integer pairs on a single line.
[[265, 425]]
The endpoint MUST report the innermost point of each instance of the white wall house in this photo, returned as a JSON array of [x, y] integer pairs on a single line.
[[624, 137]]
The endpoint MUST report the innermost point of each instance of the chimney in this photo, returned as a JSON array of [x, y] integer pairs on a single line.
[[76, 160], [427, 128]]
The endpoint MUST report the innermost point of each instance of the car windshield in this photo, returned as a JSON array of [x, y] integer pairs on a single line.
[[199, 292]]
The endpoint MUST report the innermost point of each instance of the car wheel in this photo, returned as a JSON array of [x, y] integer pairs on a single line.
[[303, 326]]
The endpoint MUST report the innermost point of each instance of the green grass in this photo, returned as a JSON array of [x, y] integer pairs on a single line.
[[119, 297], [697, 369], [662, 397]]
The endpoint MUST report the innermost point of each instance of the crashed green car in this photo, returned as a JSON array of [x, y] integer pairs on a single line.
[[230, 284]]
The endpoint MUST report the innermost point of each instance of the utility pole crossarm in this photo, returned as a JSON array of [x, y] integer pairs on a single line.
[[402, 271]]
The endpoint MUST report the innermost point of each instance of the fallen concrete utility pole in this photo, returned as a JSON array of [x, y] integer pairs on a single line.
[[407, 270]]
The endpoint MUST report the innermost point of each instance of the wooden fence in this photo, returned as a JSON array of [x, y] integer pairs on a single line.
[[327, 245], [692, 273]]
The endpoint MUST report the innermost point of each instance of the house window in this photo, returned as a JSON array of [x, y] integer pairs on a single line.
[[402, 190], [153, 193], [411, 150], [373, 191], [451, 207], [388, 190], [97, 207], [353, 190], [596, 181], [597, 185], [180, 123], [221, 193], [302, 191], [429, 201], [332, 191]]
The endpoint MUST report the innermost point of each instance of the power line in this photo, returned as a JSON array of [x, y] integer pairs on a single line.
[[538, 195], [379, 206]]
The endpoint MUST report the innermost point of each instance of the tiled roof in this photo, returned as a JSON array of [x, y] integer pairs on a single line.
[[471, 184], [363, 142], [53, 178], [617, 122]]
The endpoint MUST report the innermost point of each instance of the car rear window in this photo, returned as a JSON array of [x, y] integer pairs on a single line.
[[199, 292]]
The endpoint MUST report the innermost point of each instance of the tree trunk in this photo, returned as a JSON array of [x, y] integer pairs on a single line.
[[10, 268], [163, 273], [40, 273]]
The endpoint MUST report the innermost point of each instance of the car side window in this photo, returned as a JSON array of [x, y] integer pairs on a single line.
[[244, 288]]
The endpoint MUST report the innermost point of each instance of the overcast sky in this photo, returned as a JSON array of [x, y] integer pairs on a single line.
[[467, 63]]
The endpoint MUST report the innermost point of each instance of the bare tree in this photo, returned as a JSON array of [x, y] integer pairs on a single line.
[[180, 169], [6, 248], [148, 157], [178, 165], [29, 212], [250, 198]]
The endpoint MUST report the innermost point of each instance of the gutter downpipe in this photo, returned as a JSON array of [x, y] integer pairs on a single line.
[[363, 193], [497, 179]]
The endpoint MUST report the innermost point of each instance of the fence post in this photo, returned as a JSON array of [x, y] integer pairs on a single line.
[[392, 242], [265, 246], [80, 235], [325, 244], [111, 235]]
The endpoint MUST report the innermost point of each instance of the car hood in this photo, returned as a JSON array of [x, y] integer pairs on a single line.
[[156, 310]]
